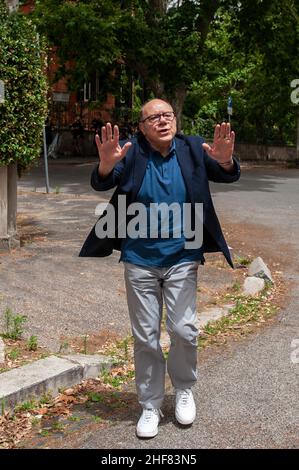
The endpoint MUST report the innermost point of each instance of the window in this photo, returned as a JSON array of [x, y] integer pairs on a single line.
[[91, 89]]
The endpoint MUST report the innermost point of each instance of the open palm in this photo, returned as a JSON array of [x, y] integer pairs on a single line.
[[110, 152], [223, 145]]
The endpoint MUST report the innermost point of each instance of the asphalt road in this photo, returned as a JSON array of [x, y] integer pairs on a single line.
[[247, 392]]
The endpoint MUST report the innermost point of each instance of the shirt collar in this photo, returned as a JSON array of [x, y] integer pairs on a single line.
[[170, 153]]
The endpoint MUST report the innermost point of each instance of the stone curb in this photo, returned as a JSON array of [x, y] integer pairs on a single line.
[[48, 376]]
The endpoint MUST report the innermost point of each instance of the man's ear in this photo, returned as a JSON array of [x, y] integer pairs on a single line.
[[141, 128]]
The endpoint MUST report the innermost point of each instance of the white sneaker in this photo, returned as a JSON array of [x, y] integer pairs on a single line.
[[185, 410], [147, 425]]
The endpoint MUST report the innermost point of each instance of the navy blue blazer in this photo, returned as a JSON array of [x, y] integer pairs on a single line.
[[197, 169]]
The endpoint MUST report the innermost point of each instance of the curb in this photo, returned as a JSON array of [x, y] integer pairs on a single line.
[[48, 376]]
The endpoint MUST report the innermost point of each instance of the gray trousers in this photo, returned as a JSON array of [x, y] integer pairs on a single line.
[[146, 288]]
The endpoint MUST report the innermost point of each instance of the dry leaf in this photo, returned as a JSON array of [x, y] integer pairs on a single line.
[[42, 411]]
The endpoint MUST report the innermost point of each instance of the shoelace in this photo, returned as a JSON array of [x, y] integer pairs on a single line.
[[184, 397], [148, 414]]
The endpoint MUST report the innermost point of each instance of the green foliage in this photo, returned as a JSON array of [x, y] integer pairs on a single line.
[[247, 311], [14, 354], [2, 406], [21, 68], [163, 46], [32, 343], [46, 398], [26, 406], [84, 34], [13, 324], [194, 53], [95, 397], [253, 61]]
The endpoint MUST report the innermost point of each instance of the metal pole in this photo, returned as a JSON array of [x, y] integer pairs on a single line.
[[46, 160], [44, 139]]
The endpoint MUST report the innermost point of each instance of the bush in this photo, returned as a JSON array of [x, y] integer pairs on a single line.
[[22, 71]]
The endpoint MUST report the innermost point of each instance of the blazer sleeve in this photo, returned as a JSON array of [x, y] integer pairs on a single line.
[[217, 174], [110, 181]]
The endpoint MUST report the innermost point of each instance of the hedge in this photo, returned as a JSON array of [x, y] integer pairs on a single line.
[[22, 69]]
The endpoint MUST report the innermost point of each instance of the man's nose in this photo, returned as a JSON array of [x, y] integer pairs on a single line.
[[162, 119]]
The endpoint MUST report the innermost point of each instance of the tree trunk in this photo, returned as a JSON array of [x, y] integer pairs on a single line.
[[297, 154], [3, 205], [8, 207], [12, 185], [177, 101]]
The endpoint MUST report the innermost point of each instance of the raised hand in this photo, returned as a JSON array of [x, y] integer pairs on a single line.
[[110, 152], [223, 145]]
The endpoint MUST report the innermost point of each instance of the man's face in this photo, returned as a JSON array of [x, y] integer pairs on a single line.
[[160, 131]]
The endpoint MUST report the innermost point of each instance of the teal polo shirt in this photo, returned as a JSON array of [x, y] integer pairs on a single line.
[[162, 183]]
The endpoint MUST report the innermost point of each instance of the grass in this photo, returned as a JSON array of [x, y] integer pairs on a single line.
[[14, 354], [85, 344], [97, 419], [58, 427], [26, 406], [242, 260], [32, 343], [14, 325], [246, 312], [236, 287], [74, 418], [95, 397], [117, 381], [63, 347], [35, 421], [121, 351], [46, 398]]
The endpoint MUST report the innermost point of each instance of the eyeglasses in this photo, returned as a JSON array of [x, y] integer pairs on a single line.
[[155, 118]]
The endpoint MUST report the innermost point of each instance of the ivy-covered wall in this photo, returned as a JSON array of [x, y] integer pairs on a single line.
[[23, 72]]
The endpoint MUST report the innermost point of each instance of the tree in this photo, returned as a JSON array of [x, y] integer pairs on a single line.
[[274, 26], [198, 51], [83, 35], [159, 41], [251, 53], [23, 113], [162, 42]]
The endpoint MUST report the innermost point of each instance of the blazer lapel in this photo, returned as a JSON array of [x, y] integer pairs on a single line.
[[186, 163], [140, 162], [184, 158]]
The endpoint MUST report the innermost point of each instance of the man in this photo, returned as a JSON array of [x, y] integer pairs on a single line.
[[78, 135], [161, 166]]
